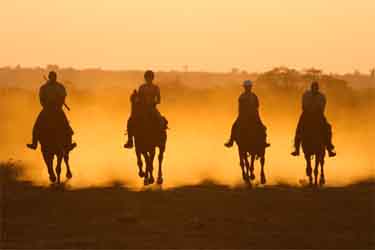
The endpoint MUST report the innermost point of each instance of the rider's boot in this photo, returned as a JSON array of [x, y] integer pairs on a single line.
[[297, 145], [129, 143], [295, 152], [33, 145], [331, 150], [72, 146], [229, 143]]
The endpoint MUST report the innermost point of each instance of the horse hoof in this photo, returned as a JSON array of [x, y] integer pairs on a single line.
[[252, 176], [69, 175], [151, 180], [52, 178], [141, 174], [145, 182], [322, 181], [244, 176], [263, 180], [160, 181], [247, 180]]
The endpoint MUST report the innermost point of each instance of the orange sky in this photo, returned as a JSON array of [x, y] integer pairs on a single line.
[[335, 35]]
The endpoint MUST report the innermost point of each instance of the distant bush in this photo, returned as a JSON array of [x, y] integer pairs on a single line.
[[10, 171]]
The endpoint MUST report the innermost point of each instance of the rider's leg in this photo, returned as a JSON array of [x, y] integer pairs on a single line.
[[264, 135], [330, 146], [34, 144], [159, 119], [297, 137], [262, 130], [71, 144], [35, 134], [129, 143], [232, 134], [68, 130]]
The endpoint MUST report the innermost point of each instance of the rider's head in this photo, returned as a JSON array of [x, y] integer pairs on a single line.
[[52, 76], [149, 76], [315, 87], [248, 85]]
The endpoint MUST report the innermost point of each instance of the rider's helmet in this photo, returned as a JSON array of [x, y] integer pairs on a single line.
[[52, 76], [247, 83], [149, 74]]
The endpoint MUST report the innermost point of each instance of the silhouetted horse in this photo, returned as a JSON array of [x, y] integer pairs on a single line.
[[250, 143], [314, 144], [54, 144], [148, 135]]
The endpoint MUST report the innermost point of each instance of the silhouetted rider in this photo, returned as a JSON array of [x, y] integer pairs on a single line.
[[148, 96], [52, 96], [313, 104], [248, 110]]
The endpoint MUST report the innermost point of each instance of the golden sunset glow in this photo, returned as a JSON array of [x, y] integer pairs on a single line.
[[335, 35]]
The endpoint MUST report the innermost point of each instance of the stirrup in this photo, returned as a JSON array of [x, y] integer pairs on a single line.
[[72, 146], [331, 153], [128, 145], [295, 153], [32, 146]]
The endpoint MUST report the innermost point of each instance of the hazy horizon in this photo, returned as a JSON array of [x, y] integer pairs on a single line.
[[214, 36]]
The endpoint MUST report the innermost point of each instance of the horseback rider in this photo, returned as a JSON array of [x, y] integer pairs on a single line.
[[148, 96], [313, 104], [52, 96], [248, 110]]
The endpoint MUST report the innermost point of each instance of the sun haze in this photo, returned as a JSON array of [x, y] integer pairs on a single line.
[[335, 35]]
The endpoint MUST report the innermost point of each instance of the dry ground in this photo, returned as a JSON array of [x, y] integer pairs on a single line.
[[203, 216]]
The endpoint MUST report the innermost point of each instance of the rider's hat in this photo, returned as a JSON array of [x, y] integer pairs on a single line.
[[149, 74], [52, 75], [247, 83]]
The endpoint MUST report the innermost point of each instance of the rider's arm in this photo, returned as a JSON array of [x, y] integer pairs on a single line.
[[305, 101], [62, 95], [323, 104], [240, 108], [42, 97], [256, 102], [157, 96]]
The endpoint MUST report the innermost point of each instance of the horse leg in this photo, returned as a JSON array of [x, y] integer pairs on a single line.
[[66, 160], [140, 164], [322, 180], [151, 165], [316, 169], [147, 170], [262, 174], [252, 175], [308, 167], [58, 166], [242, 164], [160, 171], [48, 159], [247, 165]]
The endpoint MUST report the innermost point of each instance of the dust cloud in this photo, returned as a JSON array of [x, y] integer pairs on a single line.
[[200, 108]]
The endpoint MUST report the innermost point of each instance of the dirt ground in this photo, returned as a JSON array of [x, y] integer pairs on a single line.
[[202, 216]]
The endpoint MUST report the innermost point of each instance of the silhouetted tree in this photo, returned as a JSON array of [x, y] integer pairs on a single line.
[[235, 70]]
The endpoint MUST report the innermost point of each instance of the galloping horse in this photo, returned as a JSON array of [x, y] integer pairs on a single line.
[[148, 136], [54, 144], [250, 143], [314, 144]]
